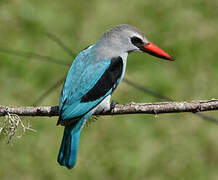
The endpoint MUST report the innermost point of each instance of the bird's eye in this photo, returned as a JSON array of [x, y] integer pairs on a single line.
[[136, 41]]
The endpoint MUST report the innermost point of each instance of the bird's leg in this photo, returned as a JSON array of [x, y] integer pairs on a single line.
[[113, 104]]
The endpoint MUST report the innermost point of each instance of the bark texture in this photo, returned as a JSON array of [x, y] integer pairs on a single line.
[[131, 108]]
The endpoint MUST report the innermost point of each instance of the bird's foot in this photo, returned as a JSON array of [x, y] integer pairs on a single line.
[[113, 104]]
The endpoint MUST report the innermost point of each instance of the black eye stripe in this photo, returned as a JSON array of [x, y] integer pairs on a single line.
[[136, 41]]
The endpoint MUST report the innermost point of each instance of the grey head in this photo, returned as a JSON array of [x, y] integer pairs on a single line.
[[121, 39]]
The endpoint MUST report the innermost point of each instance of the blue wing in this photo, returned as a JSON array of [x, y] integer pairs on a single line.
[[84, 77]]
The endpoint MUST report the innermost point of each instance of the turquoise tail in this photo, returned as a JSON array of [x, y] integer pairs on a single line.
[[70, 142]]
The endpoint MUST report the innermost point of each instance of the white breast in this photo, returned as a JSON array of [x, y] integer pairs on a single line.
[[124, 58]]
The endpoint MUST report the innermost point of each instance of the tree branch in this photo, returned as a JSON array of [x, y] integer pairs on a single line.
[[131, 108]]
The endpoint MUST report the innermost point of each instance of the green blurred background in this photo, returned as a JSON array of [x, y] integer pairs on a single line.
[[170, 146]]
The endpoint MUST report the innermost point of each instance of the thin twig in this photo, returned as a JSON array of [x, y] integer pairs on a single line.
[[146, 90], [30, 55], [60, 44], [48, 91], [165, 98]]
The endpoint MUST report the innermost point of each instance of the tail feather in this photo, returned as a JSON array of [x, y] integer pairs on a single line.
[[70, 143]]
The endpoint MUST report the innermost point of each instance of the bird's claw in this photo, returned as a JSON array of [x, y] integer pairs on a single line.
[[113, 104]]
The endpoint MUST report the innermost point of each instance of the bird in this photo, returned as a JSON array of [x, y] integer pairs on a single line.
[[92, 78]]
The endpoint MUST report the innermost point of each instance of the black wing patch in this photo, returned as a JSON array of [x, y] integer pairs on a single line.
[[107, 81], [86, 47]]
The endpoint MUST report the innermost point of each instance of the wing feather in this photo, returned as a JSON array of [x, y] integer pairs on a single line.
[[88, 82]]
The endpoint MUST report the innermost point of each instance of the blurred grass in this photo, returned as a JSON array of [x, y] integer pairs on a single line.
[[174, 146]]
